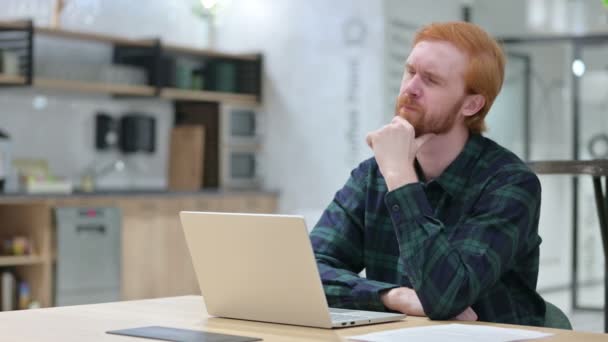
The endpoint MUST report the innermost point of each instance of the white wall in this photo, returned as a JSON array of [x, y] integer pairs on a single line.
[[173, 21], [63, 134], [325, 85], [321, 95]]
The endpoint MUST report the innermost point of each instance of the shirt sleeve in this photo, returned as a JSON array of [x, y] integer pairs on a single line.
[[337, 241], [450, 270]]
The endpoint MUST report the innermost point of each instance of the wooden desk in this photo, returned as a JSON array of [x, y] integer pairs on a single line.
[[90, 322]]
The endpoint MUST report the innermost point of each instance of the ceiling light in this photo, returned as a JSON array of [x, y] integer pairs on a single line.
[[578, 67]]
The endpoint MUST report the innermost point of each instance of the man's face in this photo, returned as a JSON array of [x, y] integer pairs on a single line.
[[432, 89]]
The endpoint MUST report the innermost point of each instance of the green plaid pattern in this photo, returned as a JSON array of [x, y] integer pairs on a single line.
[[468, 238]]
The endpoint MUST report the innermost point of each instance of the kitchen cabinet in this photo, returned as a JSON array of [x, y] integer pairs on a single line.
[[33, 221], [154, 257]]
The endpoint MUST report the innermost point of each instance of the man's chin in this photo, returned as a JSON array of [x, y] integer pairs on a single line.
[[420, 131]]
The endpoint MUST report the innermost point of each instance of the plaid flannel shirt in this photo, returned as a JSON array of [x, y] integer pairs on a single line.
[[467, 238]]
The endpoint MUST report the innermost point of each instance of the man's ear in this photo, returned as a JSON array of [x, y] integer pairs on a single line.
[[473, 104]]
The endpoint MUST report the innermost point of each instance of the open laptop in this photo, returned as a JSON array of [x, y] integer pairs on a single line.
[[262, 268]]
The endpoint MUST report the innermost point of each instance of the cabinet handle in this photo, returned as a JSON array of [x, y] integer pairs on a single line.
[[91, 228]]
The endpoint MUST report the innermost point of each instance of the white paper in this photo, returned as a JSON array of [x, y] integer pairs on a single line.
[[452, 333]]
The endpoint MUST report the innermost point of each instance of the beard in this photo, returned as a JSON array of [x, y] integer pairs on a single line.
[[416, 115]]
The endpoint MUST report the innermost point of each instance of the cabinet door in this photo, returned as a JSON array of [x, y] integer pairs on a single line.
[[156, 260], [179, 274], [155, 256], [142, 253]]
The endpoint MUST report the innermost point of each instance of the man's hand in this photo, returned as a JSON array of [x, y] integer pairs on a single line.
[[395, 146], [405, 300], [467, 315]]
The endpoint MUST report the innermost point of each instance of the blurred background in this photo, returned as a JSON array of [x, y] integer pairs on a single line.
[[115, 115]]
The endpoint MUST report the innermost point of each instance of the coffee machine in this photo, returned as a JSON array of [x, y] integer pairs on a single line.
[[117, 138]]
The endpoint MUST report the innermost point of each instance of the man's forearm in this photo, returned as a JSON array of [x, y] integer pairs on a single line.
[[345, 289], [405, 300]]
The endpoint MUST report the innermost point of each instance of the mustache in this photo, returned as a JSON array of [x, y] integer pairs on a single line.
[[404, 100]]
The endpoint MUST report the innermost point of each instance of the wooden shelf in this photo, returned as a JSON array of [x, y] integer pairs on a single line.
[[110, 39], [12, 79], [93, 87], [14, 24], [20, 260], [132, 90], [199, 95], [96, 37], [33, 220], [209, 53]]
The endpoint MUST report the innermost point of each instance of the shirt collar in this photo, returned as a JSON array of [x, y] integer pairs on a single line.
[[455, 177]]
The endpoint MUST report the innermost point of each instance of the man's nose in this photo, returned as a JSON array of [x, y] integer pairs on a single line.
[[412, 88]]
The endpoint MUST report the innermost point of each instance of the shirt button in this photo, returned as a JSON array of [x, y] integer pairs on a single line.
[[395, 207]]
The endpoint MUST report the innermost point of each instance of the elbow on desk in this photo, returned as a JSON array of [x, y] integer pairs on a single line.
[[443, 314], [442, 308]]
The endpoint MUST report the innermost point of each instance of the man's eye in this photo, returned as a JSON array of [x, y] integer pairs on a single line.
[[432, 80]]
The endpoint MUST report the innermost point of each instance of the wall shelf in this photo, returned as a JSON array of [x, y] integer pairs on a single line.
[[208, 53], [111, 39], [197, 95], [7, 261], [12, 79], [131, 90], [228, 77], [94, 87], [34, 221], [96, 37]]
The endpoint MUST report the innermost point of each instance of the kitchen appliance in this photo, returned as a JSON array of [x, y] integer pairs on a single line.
[[88, 255], [240, 144], [106, 131], [240, 167], [137, 133], [240, 125]]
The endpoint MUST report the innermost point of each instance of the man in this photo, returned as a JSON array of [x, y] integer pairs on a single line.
[[443, 220]]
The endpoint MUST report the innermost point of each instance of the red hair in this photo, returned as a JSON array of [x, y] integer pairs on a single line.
[[486, 70]]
